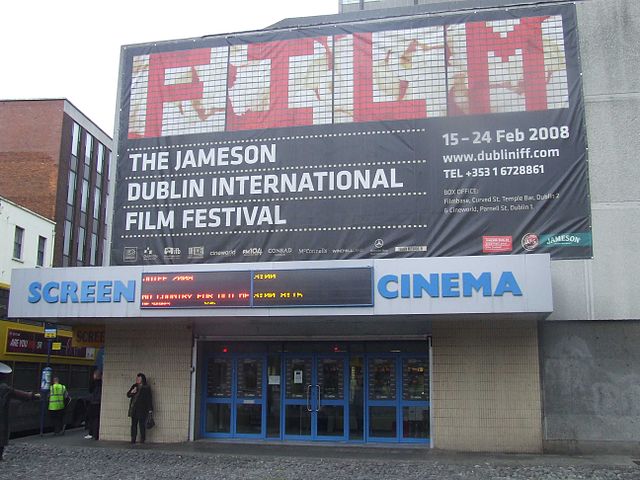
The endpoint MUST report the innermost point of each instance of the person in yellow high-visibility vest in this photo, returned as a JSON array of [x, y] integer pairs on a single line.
[[57, 396]]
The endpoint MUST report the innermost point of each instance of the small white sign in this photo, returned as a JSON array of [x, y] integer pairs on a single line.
[[297, 376]]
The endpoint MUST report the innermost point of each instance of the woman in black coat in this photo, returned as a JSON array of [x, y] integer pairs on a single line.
[[140, 406]]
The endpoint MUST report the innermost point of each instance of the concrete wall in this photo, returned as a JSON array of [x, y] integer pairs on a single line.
[[162, 351], [486, 386], [583, 290], [591, 386], [591, 375]]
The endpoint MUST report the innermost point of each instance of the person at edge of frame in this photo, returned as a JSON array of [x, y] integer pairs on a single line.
[[57, 399], [7, 394], [140, 406]]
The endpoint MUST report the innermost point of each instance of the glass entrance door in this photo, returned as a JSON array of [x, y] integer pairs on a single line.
[[298, 396], [382, 398], [331, 408], [398, 401], [234, 402], [249, 409], [315, 404], [315, 392]]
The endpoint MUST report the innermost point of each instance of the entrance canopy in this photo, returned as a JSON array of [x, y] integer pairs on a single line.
[[439, 287]]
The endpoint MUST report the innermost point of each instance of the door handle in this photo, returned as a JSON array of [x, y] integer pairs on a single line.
[[319, 398], [309, 397]]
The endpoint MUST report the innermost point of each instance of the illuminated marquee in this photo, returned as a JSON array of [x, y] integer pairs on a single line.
[[471, 68]]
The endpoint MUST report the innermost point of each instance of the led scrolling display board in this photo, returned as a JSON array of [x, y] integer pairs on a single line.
[[262, 288]]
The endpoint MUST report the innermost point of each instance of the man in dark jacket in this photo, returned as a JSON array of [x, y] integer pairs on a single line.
[[93, 406], [140, 406], [6, 394]]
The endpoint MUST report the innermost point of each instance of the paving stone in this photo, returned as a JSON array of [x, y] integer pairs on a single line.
[[98, 460]]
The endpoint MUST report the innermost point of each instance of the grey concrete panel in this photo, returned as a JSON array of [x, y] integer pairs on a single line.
[[568, 284], [585, 447], [393, 3], [567, 342], [591, 380], [609, 33], [593, 428], [614, 143], [312, 327], [616, 262]]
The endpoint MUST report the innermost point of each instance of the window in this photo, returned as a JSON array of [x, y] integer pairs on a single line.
[[85, 196], [18, 238], [71, 192], [42, 246], [96, 203], [100, 163], [67, 238], [26, 376], [108, 165], [81, 244], [75, 142], [88, 147], [94, 249]]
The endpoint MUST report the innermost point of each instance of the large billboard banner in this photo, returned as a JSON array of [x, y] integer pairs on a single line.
[[450, 135]]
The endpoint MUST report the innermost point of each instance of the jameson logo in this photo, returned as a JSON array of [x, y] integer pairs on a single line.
[[580, 239]]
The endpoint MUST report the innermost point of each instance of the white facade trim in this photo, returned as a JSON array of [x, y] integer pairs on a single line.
[[35, 226]]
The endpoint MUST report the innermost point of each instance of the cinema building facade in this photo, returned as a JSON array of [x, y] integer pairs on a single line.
[[370, 230]]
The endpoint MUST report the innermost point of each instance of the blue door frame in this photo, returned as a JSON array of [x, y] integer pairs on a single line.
[[397, 400], [407, 423], [236, 400], [313, 400]]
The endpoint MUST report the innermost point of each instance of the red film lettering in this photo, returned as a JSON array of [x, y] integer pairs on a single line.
[[159, 93], [278, 113], [365, 109], [526, 36]]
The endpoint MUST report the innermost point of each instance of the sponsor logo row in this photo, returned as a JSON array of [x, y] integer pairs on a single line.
[[530, 242], [148, 254]]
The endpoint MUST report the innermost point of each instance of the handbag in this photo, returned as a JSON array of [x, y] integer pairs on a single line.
[[150, 422]]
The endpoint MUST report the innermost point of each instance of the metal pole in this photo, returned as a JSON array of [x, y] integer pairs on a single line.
[[45, 386], [192, 390]]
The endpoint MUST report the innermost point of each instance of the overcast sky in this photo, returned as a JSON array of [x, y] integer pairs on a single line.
[[71, 49]]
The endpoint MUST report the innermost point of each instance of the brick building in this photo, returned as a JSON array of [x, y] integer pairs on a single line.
[[55, 162]]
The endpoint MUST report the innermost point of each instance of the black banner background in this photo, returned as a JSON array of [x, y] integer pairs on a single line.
[[448, 198]]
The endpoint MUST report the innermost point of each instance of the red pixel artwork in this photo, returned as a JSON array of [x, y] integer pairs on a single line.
[[459, 69]]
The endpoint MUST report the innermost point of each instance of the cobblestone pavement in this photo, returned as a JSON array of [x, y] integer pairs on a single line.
[[73, 459]]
